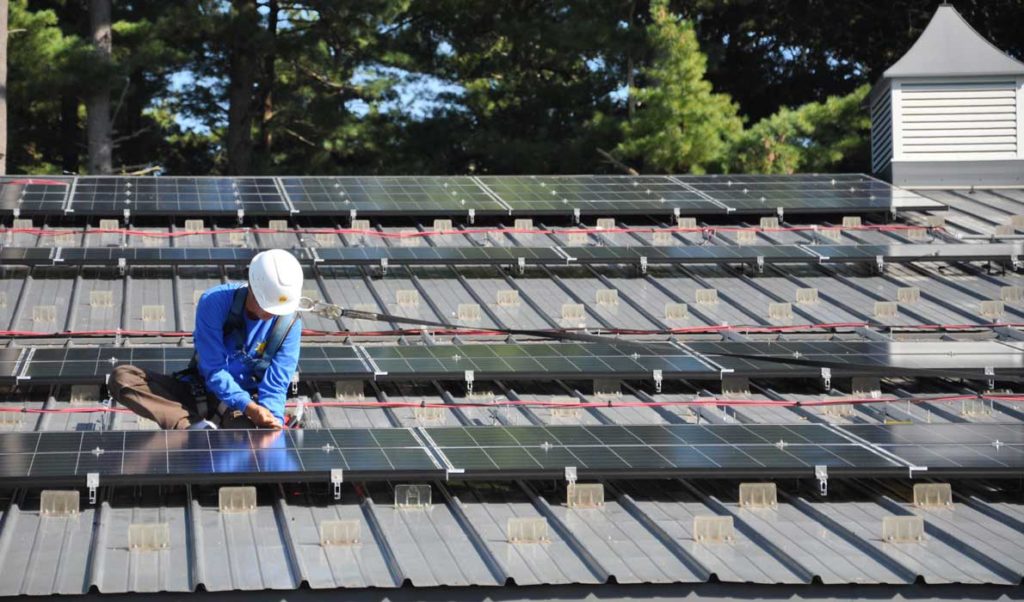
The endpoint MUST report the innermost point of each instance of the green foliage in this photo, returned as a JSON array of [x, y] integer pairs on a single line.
[[819, 136], [519, 86], [681, 125]]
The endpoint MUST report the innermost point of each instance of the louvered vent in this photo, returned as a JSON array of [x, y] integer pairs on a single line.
[[958, 120]]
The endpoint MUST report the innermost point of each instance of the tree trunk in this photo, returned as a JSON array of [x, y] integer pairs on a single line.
[[242, 71], [269, 76], [3, 87], [70, 135], [98, 104]]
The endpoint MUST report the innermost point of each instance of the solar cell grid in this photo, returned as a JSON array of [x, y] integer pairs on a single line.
[[643, 451], [389, 195], [177, 195], [596, 194], [34, 195]]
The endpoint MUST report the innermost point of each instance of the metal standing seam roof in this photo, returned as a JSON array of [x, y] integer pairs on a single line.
[[642, 535]]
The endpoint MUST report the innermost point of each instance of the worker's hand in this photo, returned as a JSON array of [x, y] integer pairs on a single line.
[[261, 416]]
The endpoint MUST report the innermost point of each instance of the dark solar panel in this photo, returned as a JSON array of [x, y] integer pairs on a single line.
[[390, 195], [807, 193], [499, 452], [34, 195], [701, 361], [527, 256], [177, 195], [598, 195]]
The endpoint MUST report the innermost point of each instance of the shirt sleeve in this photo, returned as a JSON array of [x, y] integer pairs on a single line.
[[208, 337], [278, 377]]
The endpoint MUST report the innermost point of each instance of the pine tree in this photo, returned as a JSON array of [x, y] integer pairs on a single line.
[[680, 125]]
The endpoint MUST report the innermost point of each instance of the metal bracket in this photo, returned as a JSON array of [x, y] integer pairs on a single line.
[[241, 215], [826, 377], [92, 481], [759, 264], [780, 212], [337, 477], [912, 469], [991, 371], [879, 263], [122, 265], [127, 216], [469, 381], [521, 264], [643, 265], [821, 473], [676, 212], [657, 374], [384, 266], [352, 213], [576, 215], [1015, 262], [472, 216], [570, 475]]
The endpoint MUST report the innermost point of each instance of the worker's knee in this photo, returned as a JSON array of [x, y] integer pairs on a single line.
[[124, 377]]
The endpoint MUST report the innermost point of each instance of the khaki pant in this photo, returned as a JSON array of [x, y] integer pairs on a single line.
[[163, 399]]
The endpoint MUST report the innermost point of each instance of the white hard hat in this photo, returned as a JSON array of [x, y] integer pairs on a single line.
[[275, 278]]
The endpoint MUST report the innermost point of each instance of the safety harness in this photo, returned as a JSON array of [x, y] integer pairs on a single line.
[[234, 331]]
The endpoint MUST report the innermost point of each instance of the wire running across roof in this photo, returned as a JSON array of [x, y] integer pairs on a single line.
[[456, 195], [507, 453]]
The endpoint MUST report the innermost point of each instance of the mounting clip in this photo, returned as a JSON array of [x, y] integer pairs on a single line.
[[657, 375], [780, 212], [472, 216], [676, 212], [821, 473], [912, 469], [241, 215], [469, 381], [990, 371], [643, 265], [1015, 262], [92, 481], [570, 475], [880, 263], [521, 265], [826, 377], [127, 216], [576, 214], [384, 266], [337, 477], [352, 213], [759, 264], [122, 265]]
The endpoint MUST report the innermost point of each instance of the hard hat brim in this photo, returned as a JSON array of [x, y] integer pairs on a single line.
[[282, 309]]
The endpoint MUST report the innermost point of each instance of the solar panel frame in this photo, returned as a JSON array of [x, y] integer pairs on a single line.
[[177, 195], [389, 195], [35, 195]]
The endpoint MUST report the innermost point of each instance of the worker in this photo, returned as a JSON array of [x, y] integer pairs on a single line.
[[246, 350]]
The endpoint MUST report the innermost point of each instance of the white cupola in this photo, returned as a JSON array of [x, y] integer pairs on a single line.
[[950, 112]]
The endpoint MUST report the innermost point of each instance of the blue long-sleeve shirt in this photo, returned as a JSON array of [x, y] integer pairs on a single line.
[[230, 376]]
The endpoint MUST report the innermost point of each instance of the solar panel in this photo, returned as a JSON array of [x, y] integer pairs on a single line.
[[104, 195], [597, 195], [390, 195], [548, 256], [807, 193], [509, 452], [30, 195], [985, 361]]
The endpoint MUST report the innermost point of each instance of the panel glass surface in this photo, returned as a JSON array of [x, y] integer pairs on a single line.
[[39, 195], [177, 195], [389, 195], [594, 195]]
